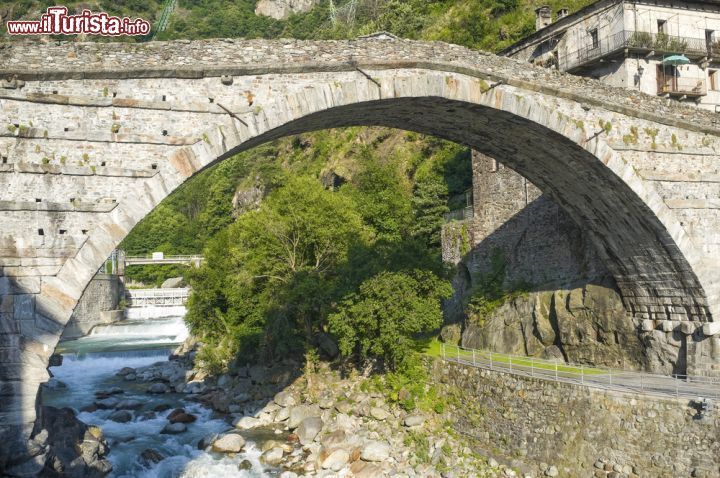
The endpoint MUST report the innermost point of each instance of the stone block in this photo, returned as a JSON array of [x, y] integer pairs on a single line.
[[110, 316], [647, 325], [711, 328], [667, 325], [687, 327], [24, 307]]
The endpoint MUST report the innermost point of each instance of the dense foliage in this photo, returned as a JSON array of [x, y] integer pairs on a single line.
[[273, 278], [387, 313], [484, 24]]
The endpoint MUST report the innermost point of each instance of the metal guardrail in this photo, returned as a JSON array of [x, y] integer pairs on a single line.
[[660, 43], [670, 386], [459, 214]]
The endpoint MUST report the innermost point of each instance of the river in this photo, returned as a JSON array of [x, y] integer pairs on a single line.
[[90, 364]]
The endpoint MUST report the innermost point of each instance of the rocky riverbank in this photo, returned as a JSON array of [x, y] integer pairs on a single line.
[[307, 421]]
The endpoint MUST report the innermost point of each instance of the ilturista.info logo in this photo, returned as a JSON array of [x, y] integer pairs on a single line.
[[56, 21]]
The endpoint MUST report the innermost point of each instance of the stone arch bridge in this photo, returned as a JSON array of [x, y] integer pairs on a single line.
[[94, 136]]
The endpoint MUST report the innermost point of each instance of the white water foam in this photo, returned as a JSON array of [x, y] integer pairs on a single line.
[[86, 374]]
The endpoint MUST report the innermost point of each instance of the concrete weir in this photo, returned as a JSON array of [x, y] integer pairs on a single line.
[[94, 136]]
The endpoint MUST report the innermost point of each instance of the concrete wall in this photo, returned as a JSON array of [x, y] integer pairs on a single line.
[[102, 295], [534, 424]]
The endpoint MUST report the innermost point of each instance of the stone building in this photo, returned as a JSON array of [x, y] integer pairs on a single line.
[[659, 47]]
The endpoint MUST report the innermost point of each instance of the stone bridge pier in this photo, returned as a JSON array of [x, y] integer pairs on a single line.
[[94, 136]]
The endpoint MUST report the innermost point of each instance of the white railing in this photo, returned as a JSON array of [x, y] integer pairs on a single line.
[[181, 259], [677, 386], [157, 297]]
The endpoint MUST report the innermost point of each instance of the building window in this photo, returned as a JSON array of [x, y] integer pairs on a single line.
[[661, 26], [710, 42], [713, 80], [594, 37]]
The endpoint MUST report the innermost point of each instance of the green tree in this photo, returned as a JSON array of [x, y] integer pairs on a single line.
[[380, 192], [429, 203], [389, 310]]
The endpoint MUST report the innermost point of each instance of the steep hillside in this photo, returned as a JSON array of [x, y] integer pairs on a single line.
[[483, 24]]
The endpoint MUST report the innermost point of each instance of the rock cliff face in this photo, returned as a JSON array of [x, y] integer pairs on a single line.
[[573, 310], [587, 324], [281, 9]]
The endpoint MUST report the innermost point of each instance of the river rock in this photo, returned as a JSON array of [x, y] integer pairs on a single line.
[[273, 456], [335, 460], [130, 377], [55, 384], [120, 416], [150, 456], [74, 445], [414, 420], [246, 423], [89, 408], [230, 443], [344, 407], [107, 403], [375, 451], [245, 465], [161, 407], [125, 371], [195, 387], [308, 429], [334, 439], [300, 413], [379, 413], [129, 404], [285, 399], [179, 415], [361, 469], [158, 388], [174, 428], [56, 360], [282, 415], [109, 392]]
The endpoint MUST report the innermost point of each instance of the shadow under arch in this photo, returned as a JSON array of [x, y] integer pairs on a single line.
[[631, 240]]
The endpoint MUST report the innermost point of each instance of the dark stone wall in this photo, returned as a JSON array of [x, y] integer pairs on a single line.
[[534, 424]]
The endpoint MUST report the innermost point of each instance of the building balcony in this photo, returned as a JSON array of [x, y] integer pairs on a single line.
[[649, 44], [682, 87]]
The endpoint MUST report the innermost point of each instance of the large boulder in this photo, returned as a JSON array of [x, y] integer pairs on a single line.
[[281, 9], [174, 428], [74, 445], [300, 413], [285, 399], [335, 459], [272, 456], [173, 283], [229, 443], [120, 416], [309, 429], [375, 451], [179, 415]]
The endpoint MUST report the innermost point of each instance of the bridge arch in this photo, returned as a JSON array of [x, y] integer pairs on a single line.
[[564, 144], [638, 237]]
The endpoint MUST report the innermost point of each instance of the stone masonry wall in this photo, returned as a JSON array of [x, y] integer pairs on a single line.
[[102, 294], [583, 432]]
